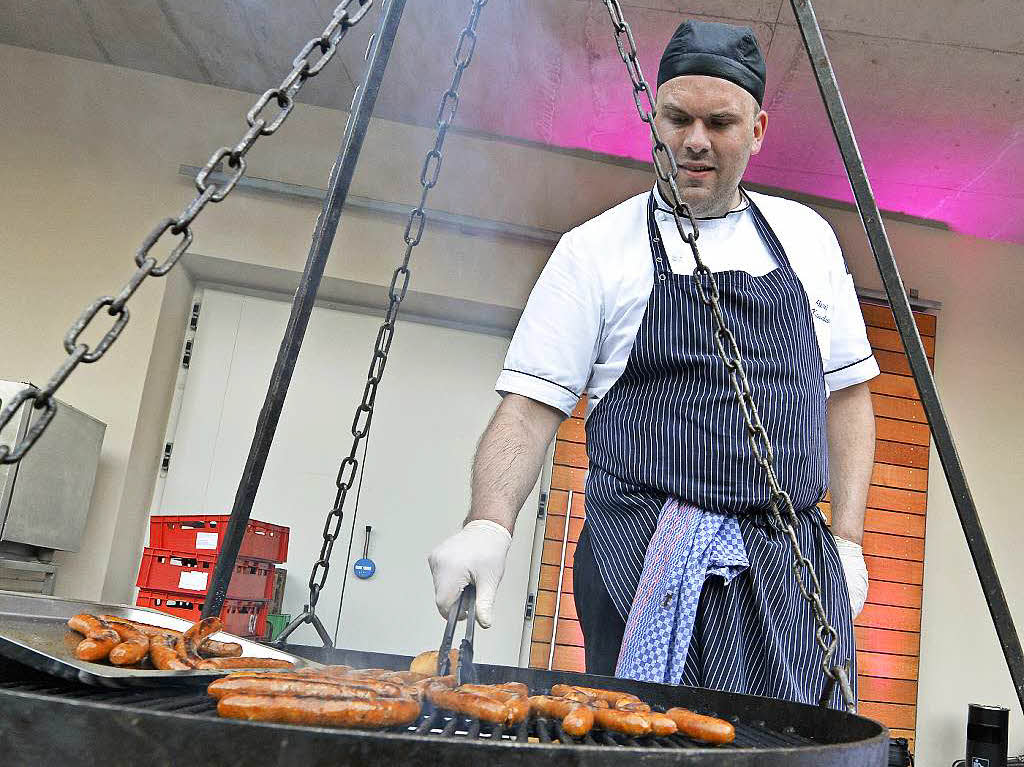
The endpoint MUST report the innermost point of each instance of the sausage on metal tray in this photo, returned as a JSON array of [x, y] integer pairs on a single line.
[[134, 645], [188, 643], [210, 648], [315, 711], [99, 640], [164, 655]]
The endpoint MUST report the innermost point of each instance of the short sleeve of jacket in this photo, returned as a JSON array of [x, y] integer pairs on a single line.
[[850, 358], [556, 342]]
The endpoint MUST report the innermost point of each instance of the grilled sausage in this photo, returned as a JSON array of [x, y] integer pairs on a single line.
[[315, 711], [383, 689], [404, 677], [85, 623], [211, 648], [492, 691], [627, 722], [368, 673], [188, 644], [329, 670], [419, 689], [612, 697], [518, 709], [99, 640], [164, 655], [625, 704], [586, 700], [471, 704], [254, 685], [379, 686], [706, 729], [516, 687], [661, 725], [577, 718], [133, 647], [223, 663]]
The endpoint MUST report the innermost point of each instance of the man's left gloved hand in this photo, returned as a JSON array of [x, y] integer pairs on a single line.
[[852, 556]]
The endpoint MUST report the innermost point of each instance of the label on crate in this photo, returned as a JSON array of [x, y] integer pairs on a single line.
[[193, 580], [206, 540]]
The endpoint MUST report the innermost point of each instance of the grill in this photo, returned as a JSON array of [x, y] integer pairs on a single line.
[[46, 720]]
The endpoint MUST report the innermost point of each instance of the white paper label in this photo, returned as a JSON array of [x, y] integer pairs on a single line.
[[206, 540], [193, 580]]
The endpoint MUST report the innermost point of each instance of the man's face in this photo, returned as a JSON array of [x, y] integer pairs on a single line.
[[712, 126]]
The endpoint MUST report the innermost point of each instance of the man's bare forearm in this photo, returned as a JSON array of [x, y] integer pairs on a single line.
[[509, 457], [850, 428]]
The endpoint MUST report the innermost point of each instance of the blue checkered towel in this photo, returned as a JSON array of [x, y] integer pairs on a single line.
[[688, 546]]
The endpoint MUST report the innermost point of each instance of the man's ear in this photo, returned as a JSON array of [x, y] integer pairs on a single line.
[[760, 126]]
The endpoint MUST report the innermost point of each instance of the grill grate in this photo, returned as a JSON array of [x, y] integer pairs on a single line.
[[438, 723], [433, 723], [184, 719]]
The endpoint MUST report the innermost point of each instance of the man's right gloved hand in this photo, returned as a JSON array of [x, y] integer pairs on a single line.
[[474, 554]]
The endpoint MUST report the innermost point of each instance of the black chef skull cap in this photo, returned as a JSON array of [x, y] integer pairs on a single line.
[[716, 50]]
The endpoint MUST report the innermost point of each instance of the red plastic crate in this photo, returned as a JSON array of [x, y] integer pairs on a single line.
[[241, 617], [184, 571], [204, 533]]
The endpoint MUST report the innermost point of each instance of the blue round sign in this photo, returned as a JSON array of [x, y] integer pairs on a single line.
[[364, 568]]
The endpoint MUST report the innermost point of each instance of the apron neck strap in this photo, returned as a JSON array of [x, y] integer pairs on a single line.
[[658, 253], [766, 231]]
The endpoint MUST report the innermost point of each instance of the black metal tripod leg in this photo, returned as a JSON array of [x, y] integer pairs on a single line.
[[302, 306], [900, 304]]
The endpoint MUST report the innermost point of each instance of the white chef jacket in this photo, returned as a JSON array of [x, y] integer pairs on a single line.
[[578, 327]]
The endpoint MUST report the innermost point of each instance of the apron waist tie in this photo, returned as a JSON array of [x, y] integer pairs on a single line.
[[689, 546]]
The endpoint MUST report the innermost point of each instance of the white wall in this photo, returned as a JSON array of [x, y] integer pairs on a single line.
[[90, 153]]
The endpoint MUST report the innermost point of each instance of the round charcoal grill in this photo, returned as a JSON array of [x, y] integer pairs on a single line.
[[44, 720]]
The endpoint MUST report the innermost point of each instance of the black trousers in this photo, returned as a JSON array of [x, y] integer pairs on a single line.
[[602, 625]]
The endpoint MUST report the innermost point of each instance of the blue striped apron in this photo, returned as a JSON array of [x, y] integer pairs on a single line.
[[670, 427]]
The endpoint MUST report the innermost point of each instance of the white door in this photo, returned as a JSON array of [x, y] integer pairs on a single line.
[[436, 398]]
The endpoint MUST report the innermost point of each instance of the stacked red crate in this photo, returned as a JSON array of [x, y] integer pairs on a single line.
[[178, 565]]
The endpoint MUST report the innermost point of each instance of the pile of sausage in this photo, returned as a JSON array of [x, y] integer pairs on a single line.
[[130, 643], [580, 708], [346, 697]]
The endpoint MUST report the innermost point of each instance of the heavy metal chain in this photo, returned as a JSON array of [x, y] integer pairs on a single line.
[[396, 294], [310, 61], [728, 350]]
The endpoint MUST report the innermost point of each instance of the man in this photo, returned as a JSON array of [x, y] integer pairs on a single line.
[[679, 574]]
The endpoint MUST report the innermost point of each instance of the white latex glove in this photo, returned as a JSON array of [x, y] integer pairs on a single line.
[[474, 554], [852, 557]]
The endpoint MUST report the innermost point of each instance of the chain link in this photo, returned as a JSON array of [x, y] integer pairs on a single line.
[[397, 291], [344, 17], [782, 511]]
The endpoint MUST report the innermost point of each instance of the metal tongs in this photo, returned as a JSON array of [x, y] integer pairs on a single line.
[[465, 672]]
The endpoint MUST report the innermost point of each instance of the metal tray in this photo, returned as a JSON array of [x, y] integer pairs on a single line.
[[33, 631]]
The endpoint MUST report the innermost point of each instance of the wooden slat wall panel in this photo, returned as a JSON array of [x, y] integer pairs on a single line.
[[888, 630]]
